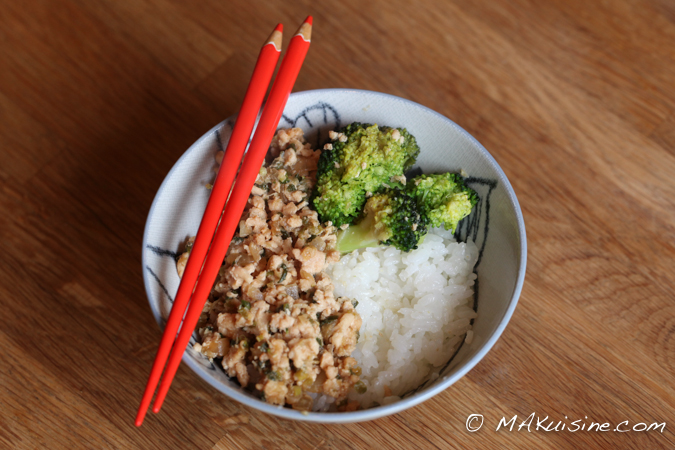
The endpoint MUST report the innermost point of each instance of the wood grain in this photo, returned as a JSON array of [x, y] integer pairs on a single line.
[[575, 99]]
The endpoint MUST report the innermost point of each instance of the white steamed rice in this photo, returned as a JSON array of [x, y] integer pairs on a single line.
[[416, 309]]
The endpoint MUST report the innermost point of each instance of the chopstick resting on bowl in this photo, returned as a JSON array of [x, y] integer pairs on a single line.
[[255, 93], [271, 114], [269, 119]]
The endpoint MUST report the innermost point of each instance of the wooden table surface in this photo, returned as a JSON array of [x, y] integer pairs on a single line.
[[574, 98]]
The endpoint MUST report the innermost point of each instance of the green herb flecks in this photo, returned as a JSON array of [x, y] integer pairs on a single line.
[[283, 273], [274, 376], [329, 319], [360, 387]]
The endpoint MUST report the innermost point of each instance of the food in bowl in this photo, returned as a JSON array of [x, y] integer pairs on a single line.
[[272, 316], [416, 309], [273, 320]]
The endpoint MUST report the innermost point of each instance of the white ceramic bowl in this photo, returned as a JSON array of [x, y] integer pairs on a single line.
[[496, 225]]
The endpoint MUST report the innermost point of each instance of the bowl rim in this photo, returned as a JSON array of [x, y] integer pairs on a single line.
[[403, 404]]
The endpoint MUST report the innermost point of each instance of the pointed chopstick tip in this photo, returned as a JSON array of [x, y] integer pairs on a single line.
[[276, 37], [305, 30]]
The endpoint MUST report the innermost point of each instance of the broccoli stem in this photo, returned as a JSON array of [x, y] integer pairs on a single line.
[[358, 236]]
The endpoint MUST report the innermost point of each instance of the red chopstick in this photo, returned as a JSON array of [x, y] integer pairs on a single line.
[[260, 80], [281, 89]]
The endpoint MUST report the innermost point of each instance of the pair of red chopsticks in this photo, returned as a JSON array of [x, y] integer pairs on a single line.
[[209, 249]]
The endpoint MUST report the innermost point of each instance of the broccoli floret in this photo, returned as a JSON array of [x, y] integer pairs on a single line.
[[390, 218], [360, 158], [443, 199]]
